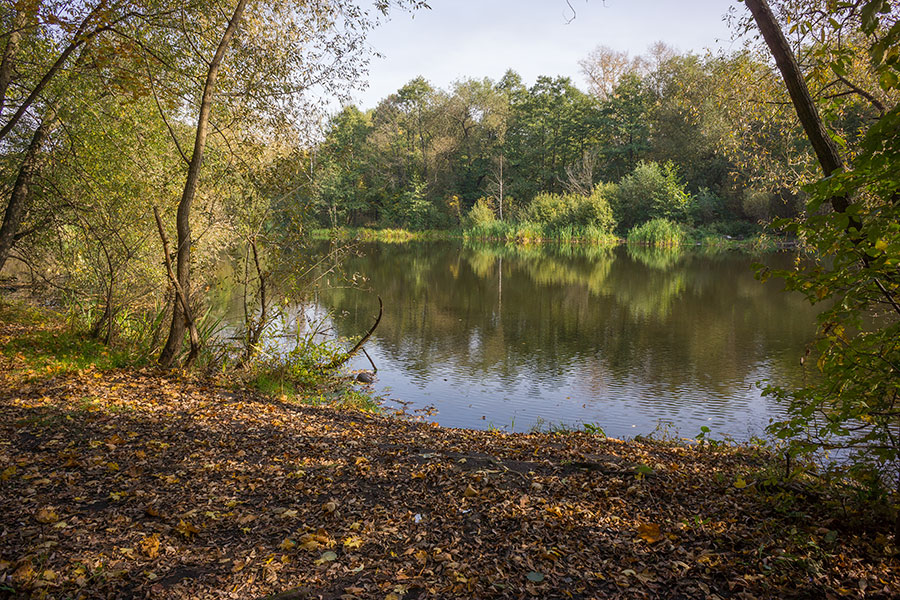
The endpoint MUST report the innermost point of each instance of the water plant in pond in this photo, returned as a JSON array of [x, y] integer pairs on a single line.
[[657, 232]]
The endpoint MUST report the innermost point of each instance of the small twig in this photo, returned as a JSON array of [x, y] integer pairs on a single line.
[[371, 362]]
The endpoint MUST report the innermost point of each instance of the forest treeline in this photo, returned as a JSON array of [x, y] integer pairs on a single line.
[[708, 141]]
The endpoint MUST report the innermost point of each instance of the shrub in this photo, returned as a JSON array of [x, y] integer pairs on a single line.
[[573, 211], [707, 207], [757, 204], [481, 213], [658, 232], [651, 191], [547, 208], [596, 210]]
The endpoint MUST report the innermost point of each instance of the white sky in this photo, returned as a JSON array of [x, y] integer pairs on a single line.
[[459, 39]]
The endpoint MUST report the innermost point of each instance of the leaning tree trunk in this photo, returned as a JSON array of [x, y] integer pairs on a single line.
[[825, 149], [182, 219], [20, 197]]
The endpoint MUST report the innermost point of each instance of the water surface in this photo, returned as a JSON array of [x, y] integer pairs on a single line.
[[628, 339]]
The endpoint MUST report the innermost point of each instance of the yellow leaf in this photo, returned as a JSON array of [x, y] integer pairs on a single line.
[[649, 532], [7, 473], [150, 546], [25, 572], [353, 542], [185, 528], [881, 245], [740, 483], [111, 466], [46, 515], [288, 544]]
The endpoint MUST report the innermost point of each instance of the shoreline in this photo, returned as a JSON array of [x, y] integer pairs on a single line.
[[760, 243]]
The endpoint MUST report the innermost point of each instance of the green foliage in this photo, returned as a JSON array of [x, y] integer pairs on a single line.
[[853, 271], [596, 210], [559, 211], [657, 232], [547, 209], [482, 214], [706, 208], [594, 429], [411, 208], [651, 191]]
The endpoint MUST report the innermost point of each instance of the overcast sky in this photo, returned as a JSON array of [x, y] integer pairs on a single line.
[[458, 39]]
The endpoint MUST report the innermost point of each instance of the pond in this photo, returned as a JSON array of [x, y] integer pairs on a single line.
[[627, 339]]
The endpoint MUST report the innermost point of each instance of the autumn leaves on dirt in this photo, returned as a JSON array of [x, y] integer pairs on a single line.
[[131, 484]]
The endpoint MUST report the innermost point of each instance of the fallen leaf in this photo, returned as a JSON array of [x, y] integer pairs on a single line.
[[46, 515], [470, 492], [287, 544], [185, 528], [150, 546], [535, 577], [649, 532]]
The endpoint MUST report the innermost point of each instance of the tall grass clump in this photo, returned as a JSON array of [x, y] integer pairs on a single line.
[[657, 232]]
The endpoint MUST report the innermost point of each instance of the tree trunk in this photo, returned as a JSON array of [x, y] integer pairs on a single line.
[[20, 198], [182, 219], [824, 147]]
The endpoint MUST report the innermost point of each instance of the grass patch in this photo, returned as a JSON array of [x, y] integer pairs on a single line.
[[388, 235], [36, 343], [657, 232], [528, 232], [322, 389]]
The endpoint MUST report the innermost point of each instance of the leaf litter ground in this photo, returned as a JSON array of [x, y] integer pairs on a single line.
[[133, 484]]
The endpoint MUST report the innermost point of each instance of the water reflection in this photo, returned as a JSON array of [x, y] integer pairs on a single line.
[[624, 338]]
